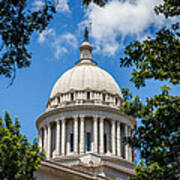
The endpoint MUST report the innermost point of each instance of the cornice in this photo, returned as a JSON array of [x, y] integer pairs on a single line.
[[83, 107]]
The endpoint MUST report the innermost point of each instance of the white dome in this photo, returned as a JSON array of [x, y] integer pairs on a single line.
[[86, 76]]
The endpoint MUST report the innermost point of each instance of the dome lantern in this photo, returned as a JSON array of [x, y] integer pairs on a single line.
[[86, 48]]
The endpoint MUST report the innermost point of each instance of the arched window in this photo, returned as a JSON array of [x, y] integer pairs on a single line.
[[72, 142], [88, 95], [88, 140], [72, 97]]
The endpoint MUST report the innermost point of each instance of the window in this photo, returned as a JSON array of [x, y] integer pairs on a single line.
[[116, 101], [88, 95], [88, 140], [58, 99], [72, 97], [104, 97], [105, 143], [72, 142]]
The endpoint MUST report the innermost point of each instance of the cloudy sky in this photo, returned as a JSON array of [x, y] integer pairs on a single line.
[[57, 49]]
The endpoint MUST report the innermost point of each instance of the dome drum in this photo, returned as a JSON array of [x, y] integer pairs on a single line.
[[84, 97], [79, 134]]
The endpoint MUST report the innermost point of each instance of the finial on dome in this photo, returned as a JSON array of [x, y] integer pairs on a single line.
[[86, 48], [86, 34]]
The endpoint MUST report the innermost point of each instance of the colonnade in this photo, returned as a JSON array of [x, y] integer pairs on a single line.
[[101, 140]]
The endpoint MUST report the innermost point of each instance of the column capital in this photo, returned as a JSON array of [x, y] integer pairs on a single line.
[[102, 117], [75, 117], [63, 119], [113, 121], [95, 117], [57, 121], [82, 116], [118, 123]]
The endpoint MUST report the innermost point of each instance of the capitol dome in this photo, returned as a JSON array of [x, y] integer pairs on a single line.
[[86, 76], [85, 83]]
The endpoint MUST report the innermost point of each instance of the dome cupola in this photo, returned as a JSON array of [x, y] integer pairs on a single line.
[[86, 48]]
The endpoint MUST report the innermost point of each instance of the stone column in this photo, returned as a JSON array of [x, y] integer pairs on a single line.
[[130, 149], [76, 134], [58, 138], [49, 141], [95, 134], [81, 134], [45, 139], [113, 137], [63, 136], [101, 135], [126, 145], [118, 139], [40, 138]]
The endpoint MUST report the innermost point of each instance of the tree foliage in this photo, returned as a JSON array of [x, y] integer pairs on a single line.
[[17, 24], [158, 137], [19, 158], [151, 172], [155, 58], [98, 2]]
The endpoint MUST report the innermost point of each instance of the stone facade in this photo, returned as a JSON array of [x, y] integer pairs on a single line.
[[83, 128]]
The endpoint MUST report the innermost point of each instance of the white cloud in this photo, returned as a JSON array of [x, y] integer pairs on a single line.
[[60, 43], [61, 5], [48, 32], [63, 43], [120, 19]]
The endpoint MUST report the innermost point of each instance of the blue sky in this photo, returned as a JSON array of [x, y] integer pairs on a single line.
[[57, 49]]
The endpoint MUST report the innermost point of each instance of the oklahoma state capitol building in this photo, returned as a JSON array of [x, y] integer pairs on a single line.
[[82, 129]]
